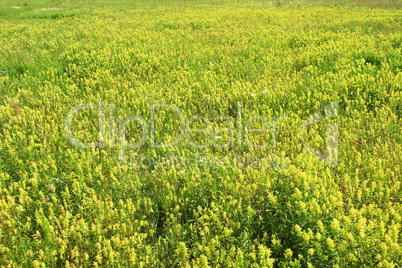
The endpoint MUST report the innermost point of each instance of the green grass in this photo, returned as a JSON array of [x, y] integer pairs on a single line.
[[9, 8]]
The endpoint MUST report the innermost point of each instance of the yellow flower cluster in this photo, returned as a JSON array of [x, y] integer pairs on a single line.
[[250, 185]]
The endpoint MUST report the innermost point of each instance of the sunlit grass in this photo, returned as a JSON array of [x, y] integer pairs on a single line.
[[224, 68]]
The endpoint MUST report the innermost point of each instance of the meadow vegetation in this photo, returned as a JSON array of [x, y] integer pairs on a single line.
[[229, 203]]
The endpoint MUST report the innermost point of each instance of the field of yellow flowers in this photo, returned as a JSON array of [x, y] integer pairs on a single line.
[[215, 133]]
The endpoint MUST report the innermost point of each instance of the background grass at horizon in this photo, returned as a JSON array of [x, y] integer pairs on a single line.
[[10, 8]]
